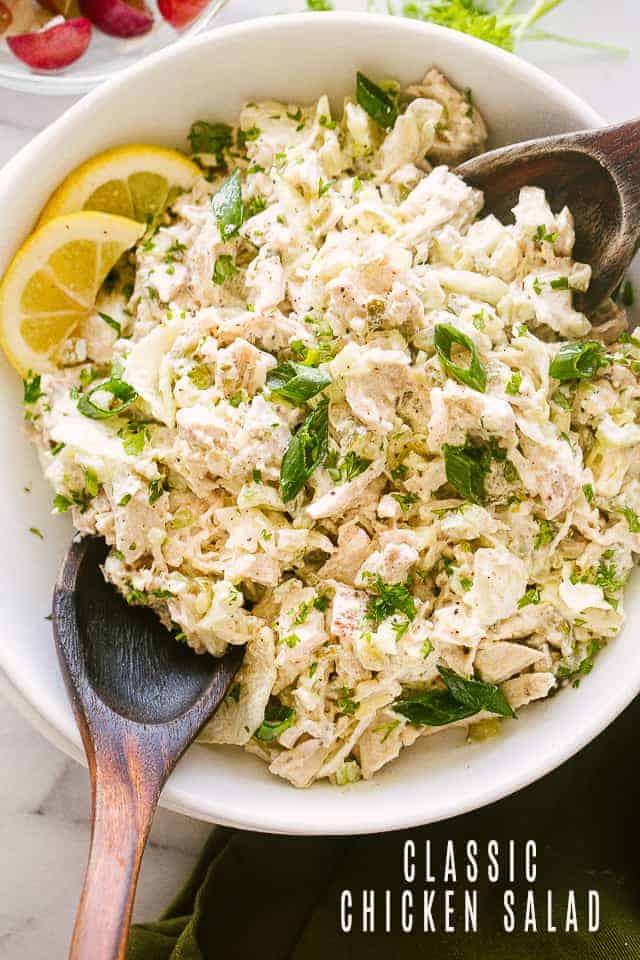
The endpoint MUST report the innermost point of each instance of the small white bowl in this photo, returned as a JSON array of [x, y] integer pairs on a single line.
[[295, 58]]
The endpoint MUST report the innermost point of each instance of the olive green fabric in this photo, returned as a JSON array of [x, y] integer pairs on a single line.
[[271, 898]]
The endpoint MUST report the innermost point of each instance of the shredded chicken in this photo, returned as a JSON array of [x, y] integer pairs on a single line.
[[359, 429]]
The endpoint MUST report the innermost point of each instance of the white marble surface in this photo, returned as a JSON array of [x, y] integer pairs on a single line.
[[44, 828]]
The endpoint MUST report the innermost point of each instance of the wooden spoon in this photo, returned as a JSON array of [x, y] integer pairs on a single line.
[[596, 173], [139, 699]]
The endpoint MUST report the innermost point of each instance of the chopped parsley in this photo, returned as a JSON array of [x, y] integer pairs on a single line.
[[633, 521], [31, 384], [406, 500], [530, 596], [389, 598], [134, 436], [514, 384], [542, 235], [224, 268], [546, 533], [211, 138], [156, 488]]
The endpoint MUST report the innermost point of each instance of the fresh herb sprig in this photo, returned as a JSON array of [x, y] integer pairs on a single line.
[[306, 452], [462, 698]]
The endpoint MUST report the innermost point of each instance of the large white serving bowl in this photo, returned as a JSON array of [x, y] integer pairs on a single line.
[[292, 58]]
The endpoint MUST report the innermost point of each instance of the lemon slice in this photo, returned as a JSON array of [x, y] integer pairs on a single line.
[[135, 181], [53, 281]]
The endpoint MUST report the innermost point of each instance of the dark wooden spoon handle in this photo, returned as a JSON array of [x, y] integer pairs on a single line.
[[122, 813]]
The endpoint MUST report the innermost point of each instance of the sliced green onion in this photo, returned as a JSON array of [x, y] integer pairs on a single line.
[[122, 391], [578, 361], [474, 375]]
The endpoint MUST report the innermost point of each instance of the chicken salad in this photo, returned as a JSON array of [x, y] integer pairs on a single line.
[[331, 412]]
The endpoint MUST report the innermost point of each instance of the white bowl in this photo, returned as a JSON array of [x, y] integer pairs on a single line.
[[295, 58]]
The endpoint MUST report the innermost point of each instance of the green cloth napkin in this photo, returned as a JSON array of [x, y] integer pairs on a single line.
[[271, 898]]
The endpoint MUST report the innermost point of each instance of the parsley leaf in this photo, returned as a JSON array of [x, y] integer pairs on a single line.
[[134, 436], [212, 138], [389, 598], [227, 206], [466, 468], [32, 391], [462, 698], [633, 521], [376, 102], [296, 382], [306, 452], [224, 268]]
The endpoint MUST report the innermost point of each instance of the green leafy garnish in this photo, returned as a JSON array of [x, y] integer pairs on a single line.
[[466, 468], [514, 384], [121, 391], [585, 667], [224, 268], [324, 186], [31, 384], [134, 436], [542, 235], [578, 361], [406, 500], [351, 466], [227, 206], [296, 382], [306, 452], [211, 138], [607, 577], [78, 498], [587, 489], [474, 375], [111, 323], [277, 719], [546, 533], [501, 27], [560, 283], [389, 598], [462, 698], [633, 521], [156, 488], [530, 596], [376, 102], [318, 5], [254, 206]]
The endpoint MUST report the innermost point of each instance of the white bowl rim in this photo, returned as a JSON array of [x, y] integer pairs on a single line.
[[372, 818]]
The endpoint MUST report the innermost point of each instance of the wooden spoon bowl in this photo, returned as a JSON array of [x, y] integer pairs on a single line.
[[596, 173], [139, 699]]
